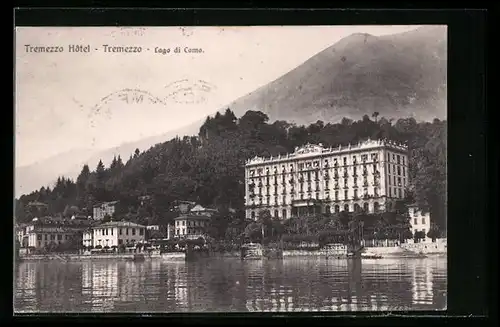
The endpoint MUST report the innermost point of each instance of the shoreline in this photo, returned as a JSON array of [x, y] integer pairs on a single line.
[[181, 256], [174, 256]]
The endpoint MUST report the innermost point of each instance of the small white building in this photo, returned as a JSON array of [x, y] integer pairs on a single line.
[[198, 210], [191, 226], [104, 209], [153, 227], [420, 221], [114, 233]]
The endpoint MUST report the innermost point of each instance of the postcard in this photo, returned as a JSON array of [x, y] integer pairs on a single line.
[[230, 169]]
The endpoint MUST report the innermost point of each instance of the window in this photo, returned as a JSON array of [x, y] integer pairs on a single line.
[[399, 193], [415, 221], [337, 209], [393, 157], [346, 207], [415, 213], [404, 173], [423, 221], [252, 214], [355, 193], [111, 231], [39, 237], [275, 213], [376, 207], [52, 237], [398, 159], [141, 231], [121, 231], [133, 231], [345, 195], [126, 231], [46, 237], [120, 241], [345, 161], [284, 213], [336, 195], [389, 193], [399, 170], [389, 169], [59, 237]]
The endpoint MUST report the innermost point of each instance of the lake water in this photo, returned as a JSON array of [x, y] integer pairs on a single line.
[[211, 285]]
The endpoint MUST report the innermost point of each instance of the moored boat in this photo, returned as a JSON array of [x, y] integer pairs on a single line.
[[251, 251]]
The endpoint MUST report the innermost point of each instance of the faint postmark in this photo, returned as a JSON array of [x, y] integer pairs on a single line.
[[188, 91], [129, 96], [128, 31]]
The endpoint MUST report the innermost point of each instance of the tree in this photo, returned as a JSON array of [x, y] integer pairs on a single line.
[[434, 232], [375, 115]]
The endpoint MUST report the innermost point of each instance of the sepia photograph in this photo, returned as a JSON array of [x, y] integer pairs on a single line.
[[230, 169]]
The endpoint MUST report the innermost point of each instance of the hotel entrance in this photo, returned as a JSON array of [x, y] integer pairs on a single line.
[[302, 208]]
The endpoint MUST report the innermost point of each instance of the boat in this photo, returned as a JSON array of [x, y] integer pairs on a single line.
[[251, 251], [335, 250], [370, 256]]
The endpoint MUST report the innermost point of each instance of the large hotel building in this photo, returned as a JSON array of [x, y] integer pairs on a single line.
[[367, 176]]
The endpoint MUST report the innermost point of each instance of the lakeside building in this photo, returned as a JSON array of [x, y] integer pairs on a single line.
[[41, 232], [191, 226], [104, 209], [114, 233], [191, 223], [367, 176], [420, 221]]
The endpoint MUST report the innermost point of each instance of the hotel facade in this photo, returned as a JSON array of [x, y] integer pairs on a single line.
[[367, 176], [114, 233]]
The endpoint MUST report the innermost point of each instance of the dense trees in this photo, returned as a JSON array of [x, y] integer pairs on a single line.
[[209, 168]]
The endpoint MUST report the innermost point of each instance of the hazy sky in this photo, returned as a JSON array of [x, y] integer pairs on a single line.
[[58, 95]]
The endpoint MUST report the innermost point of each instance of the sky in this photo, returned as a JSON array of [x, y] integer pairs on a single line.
[[59, 96]]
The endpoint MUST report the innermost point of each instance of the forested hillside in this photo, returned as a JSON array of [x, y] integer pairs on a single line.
[[209, 168]]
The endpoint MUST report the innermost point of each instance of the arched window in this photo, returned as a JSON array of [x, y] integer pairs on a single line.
[[328, 210], [337, 209], [284, 213], [252, 214], [357, 208], [365, 207], [275, 213], [376, 207], [346, 208]]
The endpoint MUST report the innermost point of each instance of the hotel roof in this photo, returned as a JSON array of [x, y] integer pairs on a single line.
[[183, 217], [119, 224]]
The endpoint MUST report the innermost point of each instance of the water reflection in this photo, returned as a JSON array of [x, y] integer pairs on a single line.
[[289, 285]]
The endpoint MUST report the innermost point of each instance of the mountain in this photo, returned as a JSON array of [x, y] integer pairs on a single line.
[[69, 164], [397, 75]]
